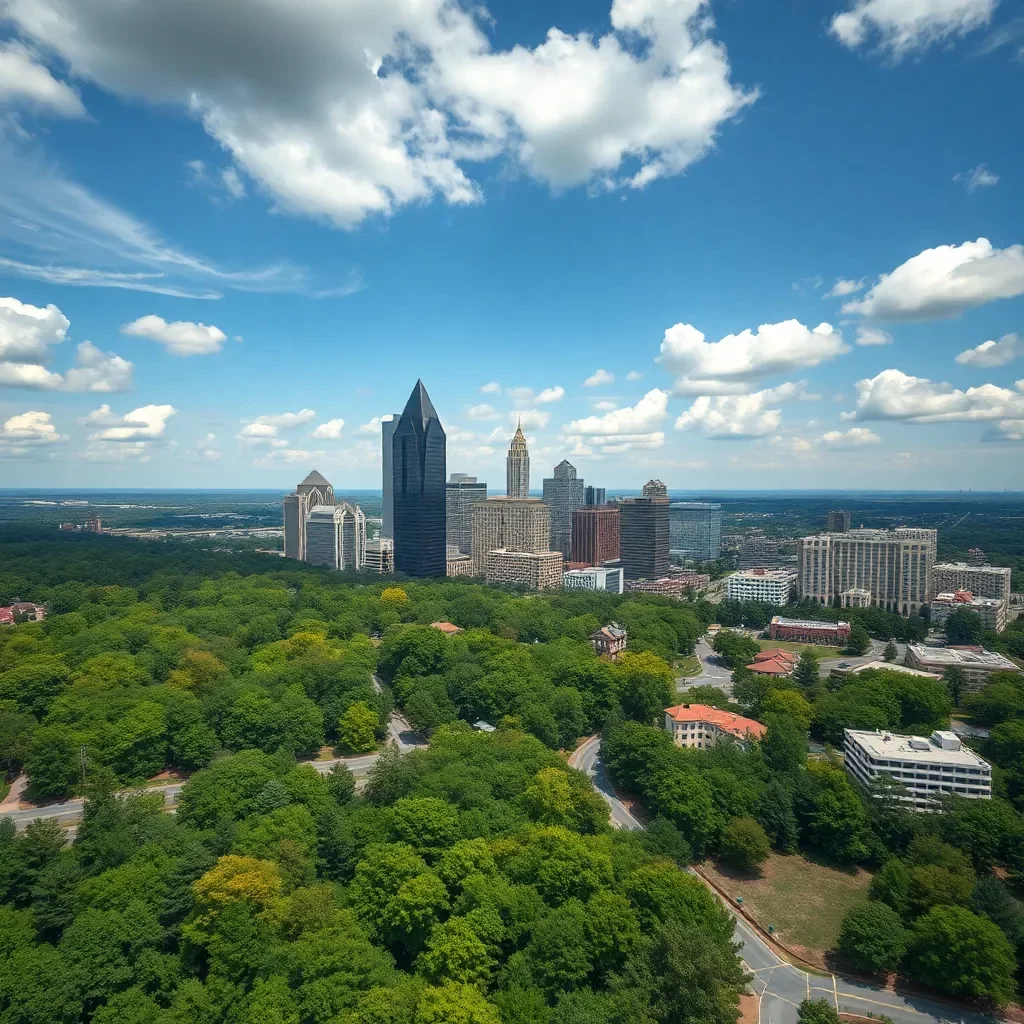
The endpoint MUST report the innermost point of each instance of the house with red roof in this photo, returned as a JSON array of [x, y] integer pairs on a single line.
[[702, 726], [774, 662]]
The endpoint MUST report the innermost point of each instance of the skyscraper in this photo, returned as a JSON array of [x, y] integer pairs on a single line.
[[509, 524], [695, 529], [461, 493], [336, 536], [418, 475], [563, 493], [837, 521], [387, 508], [314, 490], [643, 533], [595, 534], [517, 466], [594, 495]]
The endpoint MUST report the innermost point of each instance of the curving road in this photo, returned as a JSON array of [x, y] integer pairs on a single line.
[[778, 985]]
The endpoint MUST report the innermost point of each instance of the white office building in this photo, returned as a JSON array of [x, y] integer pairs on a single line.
[[336, 537], [977, 663], [593, 578], [927, 768], [770, 586], [981, 580]]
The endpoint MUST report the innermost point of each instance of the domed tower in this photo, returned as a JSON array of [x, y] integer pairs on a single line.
[[517, 466]]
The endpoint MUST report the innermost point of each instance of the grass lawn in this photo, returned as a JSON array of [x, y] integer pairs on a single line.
[[805, 901], [786, 645], [687, 667]]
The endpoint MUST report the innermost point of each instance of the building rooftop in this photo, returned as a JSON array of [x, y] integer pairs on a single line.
[[942, 747], [975, 657], [314, 479], [446, 627], [735, 725], [765, 574], [889, 666], [1002, 570], [775, 662], [967, 599], [781, 620], [613, 631]]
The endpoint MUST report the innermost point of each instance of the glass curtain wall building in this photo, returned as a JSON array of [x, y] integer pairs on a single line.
[[695, 530]]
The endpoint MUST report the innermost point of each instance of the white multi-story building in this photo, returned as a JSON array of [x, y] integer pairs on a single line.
[[977, 664], [703, 727], [770, 586], [380, 555], [593, 578], [927, 768], [894, 566], [990, 610], [335, 537], [981, 580]]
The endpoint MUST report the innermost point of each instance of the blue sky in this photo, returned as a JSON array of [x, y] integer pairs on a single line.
[[733, 245]]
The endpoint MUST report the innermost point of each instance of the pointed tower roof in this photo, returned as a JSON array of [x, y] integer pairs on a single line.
[[518, 438], [315, 479], [419, 408]]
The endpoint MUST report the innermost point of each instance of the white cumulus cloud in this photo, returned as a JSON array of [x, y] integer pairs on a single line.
[[637, 426], [181, 338], [265, 428], [894, 395], [844, 286], [554, 394], [872, 336], [993, 353], [977, 177], [483, 411], [735, 416], [25, 80], [599, 378], [373, 425], [30, 428], [146, 422], [728, 366], [491, 388], [634, 375], [904, 26], [855, 437], [945, 281], [531, 419], [331, 430]]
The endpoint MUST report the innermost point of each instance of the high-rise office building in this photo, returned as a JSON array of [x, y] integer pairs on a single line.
[[461, 492], [336, 537], [418, 474], [695, 530], [314, 490], [888, 568], [837, 521], [517, 467], [594, 495], [595, 534], [643, 533], [509, 524], [563, 494], [387, 507]]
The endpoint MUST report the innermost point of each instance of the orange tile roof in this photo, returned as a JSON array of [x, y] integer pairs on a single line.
[[771, 667], [735, 725], [446, 627], [776, 654]]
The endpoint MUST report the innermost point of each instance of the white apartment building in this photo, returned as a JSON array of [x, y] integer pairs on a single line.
[[770, 586], [981, 580], [927, 768], [594, 578], [990, 610], [894, 566], [977, 664]]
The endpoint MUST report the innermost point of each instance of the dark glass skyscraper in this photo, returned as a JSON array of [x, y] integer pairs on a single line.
[[418, 476]]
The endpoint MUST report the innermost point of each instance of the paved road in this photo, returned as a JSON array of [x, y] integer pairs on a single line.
[[714, 671], [779, 986]]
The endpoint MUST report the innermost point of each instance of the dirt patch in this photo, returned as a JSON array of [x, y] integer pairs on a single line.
[[749, 1010]]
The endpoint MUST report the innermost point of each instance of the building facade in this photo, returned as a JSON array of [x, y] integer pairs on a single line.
[[563, 494], [595, 534], [895, 566], [593, 578], [418, 465], [757, 551], [770, 586], [702, 727], [609, 641], [336, 537], [837, 521], [387, 444], [461, 493], [695, 530], [459, 565], [981, 580], [517, 466], [928, 769], [380, 556], [677, 586], [313, 491], [540, 570], [807, 631], [976, 663], [990, 610], [509, 524], [643, 533], [595, 495]]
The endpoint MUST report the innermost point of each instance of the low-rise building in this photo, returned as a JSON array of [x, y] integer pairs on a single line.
[[855, 597], [807, 631], [992, 611], [22, 611], [769, 586], [774, 662], [380, 556], [870, 666], [459, 565], [677, 586], [702, 726], [537, 570], [594, 577], [927, 768], [609, 640], [977, 663], [448, 628]]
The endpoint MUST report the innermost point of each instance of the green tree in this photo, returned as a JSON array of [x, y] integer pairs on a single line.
[[872, 938], [455, 953], [830, 812], [646, 684], [805, 675], [302, 722], [858, 642], [735, 650], [784, 745], [427, 824], [789, 704], [744, 844], [955, 951], [454, 1003], [891, 652], [356, 728], [53, 762], [817, 1011], [964, 626], [956, 683], [341, 783]]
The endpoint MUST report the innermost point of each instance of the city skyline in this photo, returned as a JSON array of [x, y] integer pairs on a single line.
[[717, 281]]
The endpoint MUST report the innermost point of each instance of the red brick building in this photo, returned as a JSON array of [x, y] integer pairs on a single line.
[[609, 640], [806, 631], [595, 535]]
